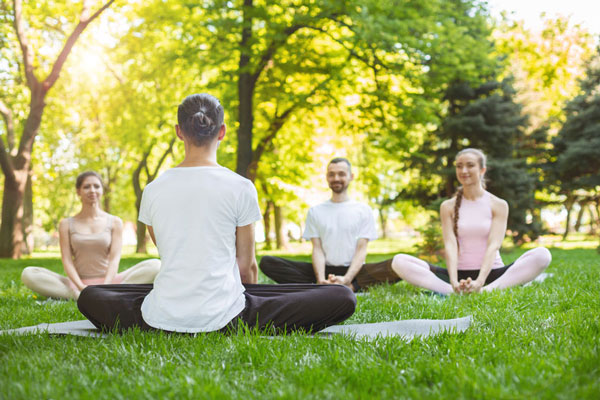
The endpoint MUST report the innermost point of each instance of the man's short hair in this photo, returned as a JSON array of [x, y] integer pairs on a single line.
[[200, 117], [339, 160]]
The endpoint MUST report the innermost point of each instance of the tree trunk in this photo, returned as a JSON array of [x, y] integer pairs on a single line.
[[107, 191], [569, 205], [579, 216], [11, 229], [28, 240], [383, 222], [141, 245], [593, 219], [267, 223], [246, 82], [280, 235], [141, 240]]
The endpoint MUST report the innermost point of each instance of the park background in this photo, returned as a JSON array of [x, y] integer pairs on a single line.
[[398, 87]]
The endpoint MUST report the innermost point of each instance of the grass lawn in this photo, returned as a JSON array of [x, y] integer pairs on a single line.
[[540, 341]]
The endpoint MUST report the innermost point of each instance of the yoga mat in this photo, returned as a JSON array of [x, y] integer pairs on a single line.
[[77, 328], [405, 329]]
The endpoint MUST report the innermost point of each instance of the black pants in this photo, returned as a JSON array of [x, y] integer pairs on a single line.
[[282, 270], [283, 307], [494, 274]]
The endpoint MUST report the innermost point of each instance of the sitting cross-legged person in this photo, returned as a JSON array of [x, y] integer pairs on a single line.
[[201, 217], [90, 246]]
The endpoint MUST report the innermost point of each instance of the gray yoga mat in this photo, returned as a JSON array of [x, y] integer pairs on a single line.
[[407, 329], [77, 328]]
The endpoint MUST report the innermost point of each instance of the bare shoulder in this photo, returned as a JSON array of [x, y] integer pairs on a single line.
[[498, 204], [116, 222], [447, 206], [63, 226]]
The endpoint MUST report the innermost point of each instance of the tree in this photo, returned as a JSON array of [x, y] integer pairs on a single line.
[[16, 161], [546, 65], [576, 167]]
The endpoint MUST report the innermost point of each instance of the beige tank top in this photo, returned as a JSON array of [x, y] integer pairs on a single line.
[[90, 250]]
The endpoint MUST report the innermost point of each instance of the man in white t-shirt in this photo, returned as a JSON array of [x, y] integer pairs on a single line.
[[340, 230], [201, 218]]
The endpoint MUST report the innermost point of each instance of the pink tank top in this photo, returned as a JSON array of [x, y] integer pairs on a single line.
[[474, 225], [90, 250]]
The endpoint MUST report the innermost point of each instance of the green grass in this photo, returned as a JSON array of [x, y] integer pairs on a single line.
[[540, 341]]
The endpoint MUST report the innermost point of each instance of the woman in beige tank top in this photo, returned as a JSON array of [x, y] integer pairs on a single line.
[[90, 245]]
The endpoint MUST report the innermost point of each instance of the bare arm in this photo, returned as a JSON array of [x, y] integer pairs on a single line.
[[450, 242], [358, 260], [151, 232], [318, 260], [114, 255], [67, 256], [497, 233], [246, 259]]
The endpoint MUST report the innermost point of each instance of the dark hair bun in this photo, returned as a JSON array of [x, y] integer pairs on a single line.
[[202, 123]]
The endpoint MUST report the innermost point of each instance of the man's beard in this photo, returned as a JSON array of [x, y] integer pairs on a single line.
[[338, 188]]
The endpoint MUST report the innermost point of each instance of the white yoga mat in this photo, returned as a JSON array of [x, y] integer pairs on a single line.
[[407, 329]]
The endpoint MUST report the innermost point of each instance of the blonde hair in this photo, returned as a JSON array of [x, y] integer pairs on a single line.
[[482, 161]]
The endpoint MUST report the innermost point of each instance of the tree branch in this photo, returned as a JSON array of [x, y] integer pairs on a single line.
[[10, 125], [162, 159], [270, 51], [280, 120], [24, 44], [5, 161], [84, 21]]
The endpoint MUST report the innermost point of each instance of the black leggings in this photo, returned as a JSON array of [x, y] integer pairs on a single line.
[[494, 274], [288, 308], [283, 270]]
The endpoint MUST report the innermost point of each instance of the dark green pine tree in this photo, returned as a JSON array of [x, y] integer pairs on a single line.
[[576, 153], [485, 117], [577, 145]]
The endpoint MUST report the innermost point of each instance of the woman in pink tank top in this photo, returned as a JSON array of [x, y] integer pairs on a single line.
[[473, 225], [90, 246]]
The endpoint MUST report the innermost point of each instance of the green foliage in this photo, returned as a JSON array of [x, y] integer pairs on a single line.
[[576, 146], [539, 341], [432, 243], [546, 65]]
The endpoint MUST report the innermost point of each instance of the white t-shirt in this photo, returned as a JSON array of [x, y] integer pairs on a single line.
[[194, 213], [339, 226]]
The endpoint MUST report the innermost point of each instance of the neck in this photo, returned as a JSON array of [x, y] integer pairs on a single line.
[[205, 156], [473, 192], [339, 197], [90, 210]]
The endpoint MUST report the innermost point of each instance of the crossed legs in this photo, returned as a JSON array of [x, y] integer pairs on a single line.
[[50, 284], [286, 307]]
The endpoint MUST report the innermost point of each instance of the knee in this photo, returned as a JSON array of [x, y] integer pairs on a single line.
[[543, 256], [266, 262], [154, 265], [399, 263], [28, 276], [345, 298], [89, 296]]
